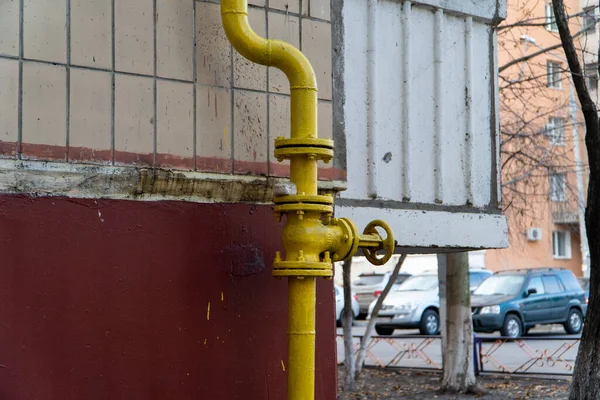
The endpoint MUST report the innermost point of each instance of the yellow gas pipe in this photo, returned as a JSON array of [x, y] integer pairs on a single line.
[[312, 239]]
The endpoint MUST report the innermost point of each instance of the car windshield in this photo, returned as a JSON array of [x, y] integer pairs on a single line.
[[366, 280], [419, 283], [501, 285]]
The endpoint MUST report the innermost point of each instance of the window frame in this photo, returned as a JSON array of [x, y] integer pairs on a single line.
[[589, 13], [553, 70], [554, 194], [551, 24], [567, 241], [552, 128], [591, 76]]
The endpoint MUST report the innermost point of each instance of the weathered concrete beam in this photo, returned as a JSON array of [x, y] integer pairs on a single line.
[[148, 184]]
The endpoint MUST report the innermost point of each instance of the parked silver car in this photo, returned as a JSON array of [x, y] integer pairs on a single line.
[[416, 304], [369, 286], [339, 304]]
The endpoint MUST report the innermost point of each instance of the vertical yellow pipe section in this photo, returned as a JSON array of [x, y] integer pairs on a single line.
[[297, 68], [303, 173], [301, 338]]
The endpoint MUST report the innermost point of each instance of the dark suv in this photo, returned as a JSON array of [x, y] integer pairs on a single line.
[[515, 301]]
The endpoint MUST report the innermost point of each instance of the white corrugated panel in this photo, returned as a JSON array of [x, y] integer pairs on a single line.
[[421, 117]]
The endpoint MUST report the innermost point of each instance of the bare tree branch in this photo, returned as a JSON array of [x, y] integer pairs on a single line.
[[362, 351], [531, 21], [537, 53], [587, 104]]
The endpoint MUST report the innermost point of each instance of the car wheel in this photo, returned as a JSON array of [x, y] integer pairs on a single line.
[[430, 323], [574, 322], [512, 326], [381, 331]]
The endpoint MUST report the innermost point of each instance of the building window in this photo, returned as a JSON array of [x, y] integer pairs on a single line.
[[558, 190], [550, 20], [591, 76], [561, 244], [556, 130], [589, 19], [553, 74]]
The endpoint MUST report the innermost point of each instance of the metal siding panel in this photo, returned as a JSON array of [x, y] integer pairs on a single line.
[[390, 99], [482, 114], [356, 90], [406, 106], [422, 141], [454, 167]]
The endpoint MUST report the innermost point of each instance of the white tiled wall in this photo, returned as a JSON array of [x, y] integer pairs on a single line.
[[151, 83]]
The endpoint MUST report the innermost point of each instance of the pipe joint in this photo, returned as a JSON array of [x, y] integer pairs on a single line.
[[313, 240], [310, 148]]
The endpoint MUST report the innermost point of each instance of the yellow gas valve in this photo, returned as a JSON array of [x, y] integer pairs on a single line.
[[371, 242], [313, 240]]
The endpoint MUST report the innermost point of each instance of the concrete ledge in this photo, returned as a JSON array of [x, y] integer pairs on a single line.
[[145, 184]]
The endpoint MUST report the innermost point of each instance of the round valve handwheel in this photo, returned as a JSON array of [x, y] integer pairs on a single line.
[[387, 244]]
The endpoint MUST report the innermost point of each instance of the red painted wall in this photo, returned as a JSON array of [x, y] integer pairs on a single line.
[[107, 299]]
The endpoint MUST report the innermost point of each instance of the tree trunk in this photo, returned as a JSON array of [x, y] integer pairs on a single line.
[[586, 377], [347, 328], [362, 351], [459, 374]]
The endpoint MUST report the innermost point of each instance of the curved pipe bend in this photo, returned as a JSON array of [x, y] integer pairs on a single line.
[[300, 74], [269, 52]]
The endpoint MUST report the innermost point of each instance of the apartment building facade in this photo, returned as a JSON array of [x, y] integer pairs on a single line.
[[542, 150]]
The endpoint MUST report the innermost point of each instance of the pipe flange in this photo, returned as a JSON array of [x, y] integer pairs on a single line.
[[295, 207], [281, 142], [314, 199], [302, 268], [313, 148], [315, 153], [303, 272], [349, 243]]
